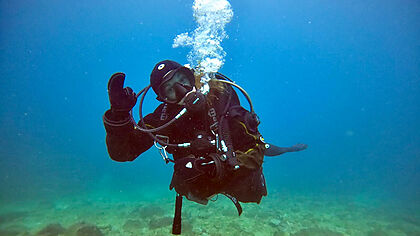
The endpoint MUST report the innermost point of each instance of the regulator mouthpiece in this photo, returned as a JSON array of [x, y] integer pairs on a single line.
[[181, 90]]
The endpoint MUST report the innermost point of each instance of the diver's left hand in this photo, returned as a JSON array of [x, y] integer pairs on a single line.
[[121, 99], [298, 147]]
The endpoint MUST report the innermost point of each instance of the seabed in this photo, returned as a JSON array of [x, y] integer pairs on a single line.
[[150, 213]]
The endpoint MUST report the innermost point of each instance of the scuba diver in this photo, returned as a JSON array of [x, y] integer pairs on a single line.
[[215, 143]]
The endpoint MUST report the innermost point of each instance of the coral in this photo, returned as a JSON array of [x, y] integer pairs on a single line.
[[52, 230]]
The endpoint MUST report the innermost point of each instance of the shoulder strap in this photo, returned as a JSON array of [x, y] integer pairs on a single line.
[[235, 201]]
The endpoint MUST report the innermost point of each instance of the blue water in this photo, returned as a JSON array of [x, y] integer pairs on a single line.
[[341, 76]]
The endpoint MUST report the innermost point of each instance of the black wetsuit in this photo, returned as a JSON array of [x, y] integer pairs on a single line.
[[246, 184]]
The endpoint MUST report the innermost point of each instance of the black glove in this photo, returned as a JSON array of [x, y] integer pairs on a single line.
[[121, 99]]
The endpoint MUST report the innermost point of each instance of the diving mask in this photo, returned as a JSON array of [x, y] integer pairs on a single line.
[[175, 88], [179, 90]]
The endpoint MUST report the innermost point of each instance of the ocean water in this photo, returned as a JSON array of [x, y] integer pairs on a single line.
[[340, 76]]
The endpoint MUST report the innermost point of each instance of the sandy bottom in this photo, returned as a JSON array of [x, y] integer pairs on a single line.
[[150, 213]]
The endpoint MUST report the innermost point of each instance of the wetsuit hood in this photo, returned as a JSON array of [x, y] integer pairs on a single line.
[[164, 71]]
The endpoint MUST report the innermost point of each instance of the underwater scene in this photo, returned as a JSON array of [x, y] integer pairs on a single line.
[[333, 86]]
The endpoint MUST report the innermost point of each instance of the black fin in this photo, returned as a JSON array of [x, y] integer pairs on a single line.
[[274, 150], [176, 225]]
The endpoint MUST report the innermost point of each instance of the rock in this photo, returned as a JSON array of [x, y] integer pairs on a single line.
[[413, 233], [279, 233], [377, 232], [246, 233], [11, 216], [187, 228], [160, 222], [14, 230], [148, 211], [9, 232], [316, 232], [106, 229], [275, 222], [89, 230], [84, 229], [51, 230], [132, 225]]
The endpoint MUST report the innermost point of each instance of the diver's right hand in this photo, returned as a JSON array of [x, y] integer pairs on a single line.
[[121, 99]]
